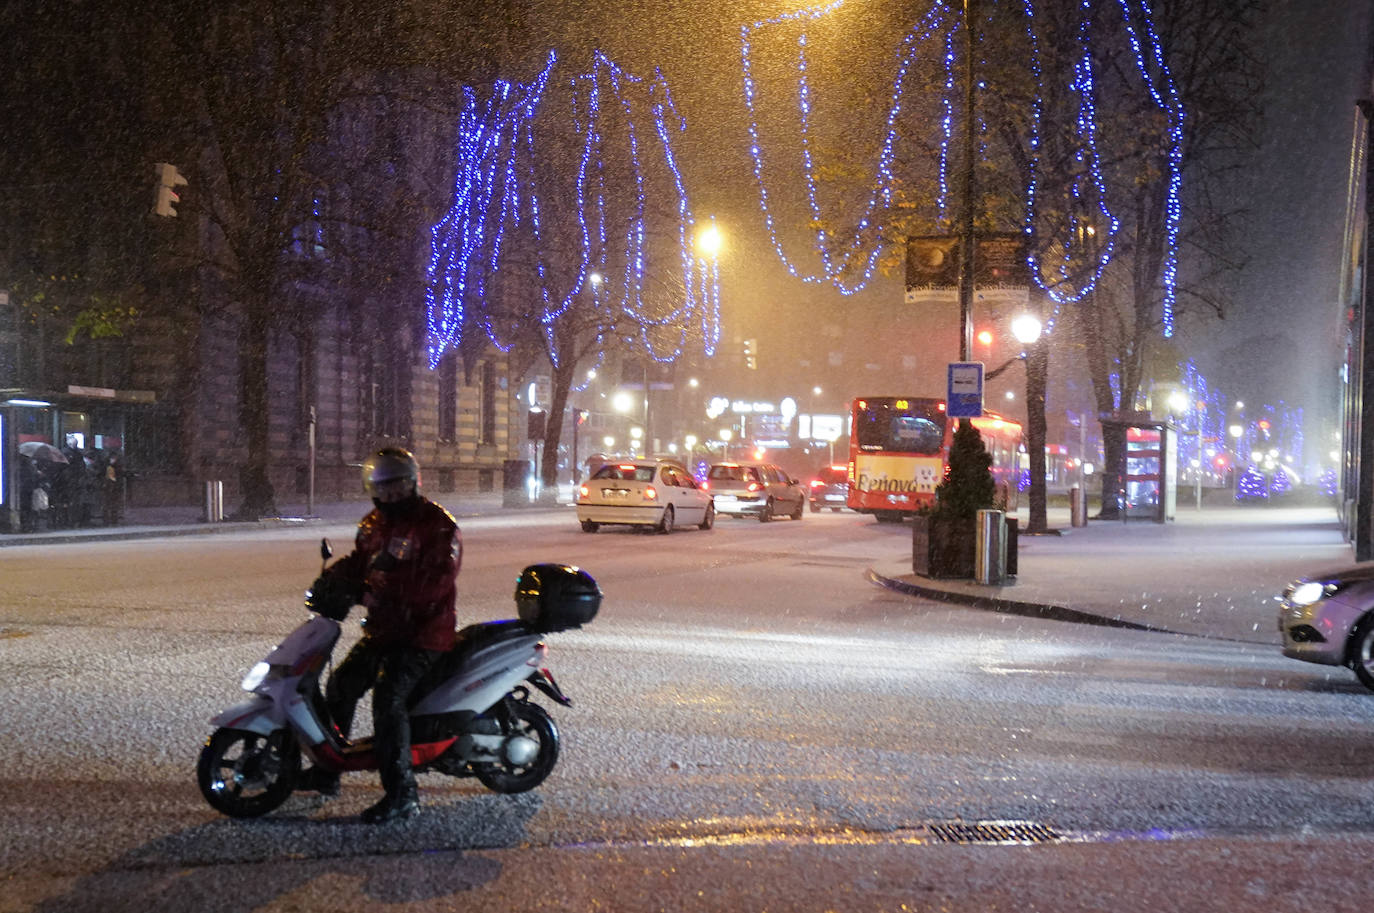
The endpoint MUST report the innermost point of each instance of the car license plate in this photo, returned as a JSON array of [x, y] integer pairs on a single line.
[[725, 497], [615, 494], [834, 497]]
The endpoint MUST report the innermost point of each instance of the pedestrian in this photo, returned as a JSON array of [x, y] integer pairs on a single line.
[[112, 489], [28, 484], [404, 568]]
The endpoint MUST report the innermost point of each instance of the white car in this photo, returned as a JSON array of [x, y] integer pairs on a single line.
[[659, 494], [1328, 618]]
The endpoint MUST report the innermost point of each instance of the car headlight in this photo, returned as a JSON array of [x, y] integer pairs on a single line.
[[1307, 592]]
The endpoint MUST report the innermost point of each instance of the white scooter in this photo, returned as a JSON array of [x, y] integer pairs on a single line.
[[471, 716]]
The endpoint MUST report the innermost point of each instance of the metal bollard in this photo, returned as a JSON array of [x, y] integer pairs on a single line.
[[990, 550], [214, 501], [1078, 507]]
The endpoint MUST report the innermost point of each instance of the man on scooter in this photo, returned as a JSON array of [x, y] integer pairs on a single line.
[[404, 566]]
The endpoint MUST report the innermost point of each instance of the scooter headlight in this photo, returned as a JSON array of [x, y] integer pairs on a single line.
[[256, 676]]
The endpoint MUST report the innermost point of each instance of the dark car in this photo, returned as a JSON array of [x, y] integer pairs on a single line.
[[829, 488]]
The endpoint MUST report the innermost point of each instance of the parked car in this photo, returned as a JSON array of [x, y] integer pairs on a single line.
[[659, 494], [760, 490], [830, 488], [1328, 618]]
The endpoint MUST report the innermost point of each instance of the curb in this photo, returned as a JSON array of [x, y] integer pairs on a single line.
[[1046, 611]]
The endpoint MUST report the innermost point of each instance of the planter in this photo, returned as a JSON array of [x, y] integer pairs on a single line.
[[943, 547]]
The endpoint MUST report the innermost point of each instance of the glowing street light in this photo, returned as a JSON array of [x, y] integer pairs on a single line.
[[1026, 328], [709, 241]]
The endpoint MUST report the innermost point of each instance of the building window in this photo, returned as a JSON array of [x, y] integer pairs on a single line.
[[448, 397]]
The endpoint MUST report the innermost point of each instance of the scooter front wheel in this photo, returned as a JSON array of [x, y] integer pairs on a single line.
[[245, 774], [522, 766]]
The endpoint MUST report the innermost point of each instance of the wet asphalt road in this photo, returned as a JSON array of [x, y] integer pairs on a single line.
[[754, 727]]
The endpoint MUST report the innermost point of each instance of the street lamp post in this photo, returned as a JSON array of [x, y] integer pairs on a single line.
[[1029, 332]]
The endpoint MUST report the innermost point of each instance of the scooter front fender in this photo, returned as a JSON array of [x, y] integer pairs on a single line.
[[257, 714]]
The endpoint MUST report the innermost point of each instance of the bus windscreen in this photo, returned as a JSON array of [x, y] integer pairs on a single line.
[[900, 425]]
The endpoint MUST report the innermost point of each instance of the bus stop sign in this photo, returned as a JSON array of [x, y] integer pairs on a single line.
[[965, 397]]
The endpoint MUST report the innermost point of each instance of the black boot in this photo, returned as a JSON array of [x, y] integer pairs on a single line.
[[397, 806], [318, 780]]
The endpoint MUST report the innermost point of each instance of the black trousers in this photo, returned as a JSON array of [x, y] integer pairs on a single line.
[[395, 671]]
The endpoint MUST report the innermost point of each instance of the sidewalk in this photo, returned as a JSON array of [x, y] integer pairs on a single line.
[[1213, 572]]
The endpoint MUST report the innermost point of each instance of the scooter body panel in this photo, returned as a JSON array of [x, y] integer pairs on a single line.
[[485, 678]]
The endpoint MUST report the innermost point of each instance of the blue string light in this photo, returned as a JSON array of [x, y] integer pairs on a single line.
[[844, 262], [497, 190]]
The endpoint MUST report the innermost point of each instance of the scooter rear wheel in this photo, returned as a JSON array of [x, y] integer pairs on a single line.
[[244, 774], [530, 721]]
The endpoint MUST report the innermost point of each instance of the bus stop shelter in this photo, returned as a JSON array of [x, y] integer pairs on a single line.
[[1149, 478], [86, 418]]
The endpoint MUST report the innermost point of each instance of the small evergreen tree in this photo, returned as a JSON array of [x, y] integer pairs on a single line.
[[969, 487]]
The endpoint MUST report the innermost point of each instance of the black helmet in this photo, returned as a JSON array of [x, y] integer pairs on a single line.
[[388, 465], [555, 597]]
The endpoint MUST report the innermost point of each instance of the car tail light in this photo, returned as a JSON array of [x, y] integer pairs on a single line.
[[650, 493], [705, 486], [584, 493], [816, 483]]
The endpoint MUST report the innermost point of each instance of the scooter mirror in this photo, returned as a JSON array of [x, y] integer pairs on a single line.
[[325, 550]]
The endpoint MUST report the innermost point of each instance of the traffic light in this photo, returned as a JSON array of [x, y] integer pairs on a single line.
[[168, 180], [751, 347], [535, 424], [580, 415]]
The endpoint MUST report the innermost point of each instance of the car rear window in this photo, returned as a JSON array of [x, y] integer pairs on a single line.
[[625, 472], [832, 476], [734, 474]]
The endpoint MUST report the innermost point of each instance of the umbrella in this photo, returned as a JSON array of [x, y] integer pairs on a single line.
[[42, 451]]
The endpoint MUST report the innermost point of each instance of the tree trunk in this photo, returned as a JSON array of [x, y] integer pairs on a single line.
[[255, 484], [553, 426]]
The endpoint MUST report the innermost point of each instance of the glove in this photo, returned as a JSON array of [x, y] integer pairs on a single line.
[[331, 597]]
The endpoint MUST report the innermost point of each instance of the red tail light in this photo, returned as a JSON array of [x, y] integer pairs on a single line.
[[816, 483], [583, 492], [650, 493], [705, 486]]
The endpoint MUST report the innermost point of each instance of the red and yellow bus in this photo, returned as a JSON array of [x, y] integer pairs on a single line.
[[899, 451]]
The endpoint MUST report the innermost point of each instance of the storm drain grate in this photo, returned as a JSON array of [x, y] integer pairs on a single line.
[[992, 832]]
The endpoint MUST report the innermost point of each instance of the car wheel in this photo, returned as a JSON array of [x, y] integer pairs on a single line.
[[665, 525], [767, 513], [709, 520], [589, 527], [800, 509], [1362, 652], [834, 510]]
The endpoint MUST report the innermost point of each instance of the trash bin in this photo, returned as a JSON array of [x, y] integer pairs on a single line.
[[515, 476], [1078, 506], [1013, 543], [990, 548]]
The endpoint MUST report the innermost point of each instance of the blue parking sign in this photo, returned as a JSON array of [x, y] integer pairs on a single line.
[[965, 395]]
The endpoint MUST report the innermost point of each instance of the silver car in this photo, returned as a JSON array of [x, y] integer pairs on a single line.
[[659, 494], [761, 490], [1329, 619]]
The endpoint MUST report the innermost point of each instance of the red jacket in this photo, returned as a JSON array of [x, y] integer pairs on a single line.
[[409, 570]]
